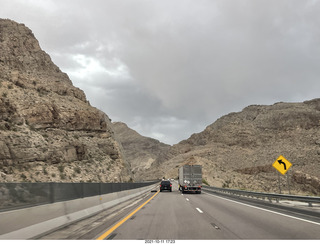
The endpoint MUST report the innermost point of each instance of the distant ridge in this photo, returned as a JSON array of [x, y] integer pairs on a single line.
[[238, 149]]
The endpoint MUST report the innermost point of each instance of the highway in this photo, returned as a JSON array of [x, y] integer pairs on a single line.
[[176, 216]]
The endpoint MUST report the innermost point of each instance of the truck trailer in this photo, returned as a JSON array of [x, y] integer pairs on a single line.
[[190, 178]]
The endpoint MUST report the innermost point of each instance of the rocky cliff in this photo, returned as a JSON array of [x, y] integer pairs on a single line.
[[142, 152], [48, 130], [237, 151]]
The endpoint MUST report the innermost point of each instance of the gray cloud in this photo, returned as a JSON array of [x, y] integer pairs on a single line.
[[170, 68]]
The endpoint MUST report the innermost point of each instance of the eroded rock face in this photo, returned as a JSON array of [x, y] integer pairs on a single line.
[[142, 152], [238, 150], [48, 130]]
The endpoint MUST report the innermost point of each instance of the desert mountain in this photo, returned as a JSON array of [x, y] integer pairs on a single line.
[[48, 130], [238, 150], [142, 152]]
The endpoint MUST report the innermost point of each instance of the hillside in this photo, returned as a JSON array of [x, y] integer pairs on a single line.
[[142, 152], [238, 150], [48, 130]]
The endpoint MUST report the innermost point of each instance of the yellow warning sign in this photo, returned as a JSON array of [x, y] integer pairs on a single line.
[[282, 165]]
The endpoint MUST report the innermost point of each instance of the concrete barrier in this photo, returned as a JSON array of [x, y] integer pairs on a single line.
[[28, 223]]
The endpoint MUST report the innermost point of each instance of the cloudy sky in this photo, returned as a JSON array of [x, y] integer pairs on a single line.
[[169, 68]]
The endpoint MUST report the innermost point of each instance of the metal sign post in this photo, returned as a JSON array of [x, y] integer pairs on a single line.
[[288, 182], [279, 179]]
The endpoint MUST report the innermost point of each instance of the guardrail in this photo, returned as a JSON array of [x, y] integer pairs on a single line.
[[262, 195]]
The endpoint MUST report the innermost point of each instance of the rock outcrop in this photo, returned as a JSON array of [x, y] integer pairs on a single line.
[[48, 130], [142, 152], [238, 150]]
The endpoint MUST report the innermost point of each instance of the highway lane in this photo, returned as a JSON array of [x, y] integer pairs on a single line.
[[171, 215], [246, 221], [168, 216], [88, 228]]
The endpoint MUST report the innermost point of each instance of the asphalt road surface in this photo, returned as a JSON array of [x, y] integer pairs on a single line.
[[176, 216]]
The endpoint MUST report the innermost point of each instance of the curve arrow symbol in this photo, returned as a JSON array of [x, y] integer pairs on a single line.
[[284, 165]]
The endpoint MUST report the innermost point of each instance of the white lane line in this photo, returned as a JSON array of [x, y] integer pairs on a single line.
[[199, 210], [187, 199], [270, 211]]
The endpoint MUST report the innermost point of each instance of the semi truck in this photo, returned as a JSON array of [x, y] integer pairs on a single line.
[[190, 178]]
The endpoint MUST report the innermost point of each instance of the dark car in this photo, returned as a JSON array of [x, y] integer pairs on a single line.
[[165, 185]]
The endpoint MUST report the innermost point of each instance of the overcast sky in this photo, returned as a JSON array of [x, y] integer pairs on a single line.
[[170, 68]]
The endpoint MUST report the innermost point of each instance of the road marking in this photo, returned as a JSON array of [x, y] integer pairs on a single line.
[[113, 228], [270, 211], [187, 199], [215, 226], [112, 236], [199, 210]]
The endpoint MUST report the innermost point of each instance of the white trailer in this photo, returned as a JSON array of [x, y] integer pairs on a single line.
[[190, 178]]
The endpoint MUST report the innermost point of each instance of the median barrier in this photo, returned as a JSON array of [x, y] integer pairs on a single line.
[[32, 222]]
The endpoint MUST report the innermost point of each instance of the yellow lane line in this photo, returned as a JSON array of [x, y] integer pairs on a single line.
[[113, 228]]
